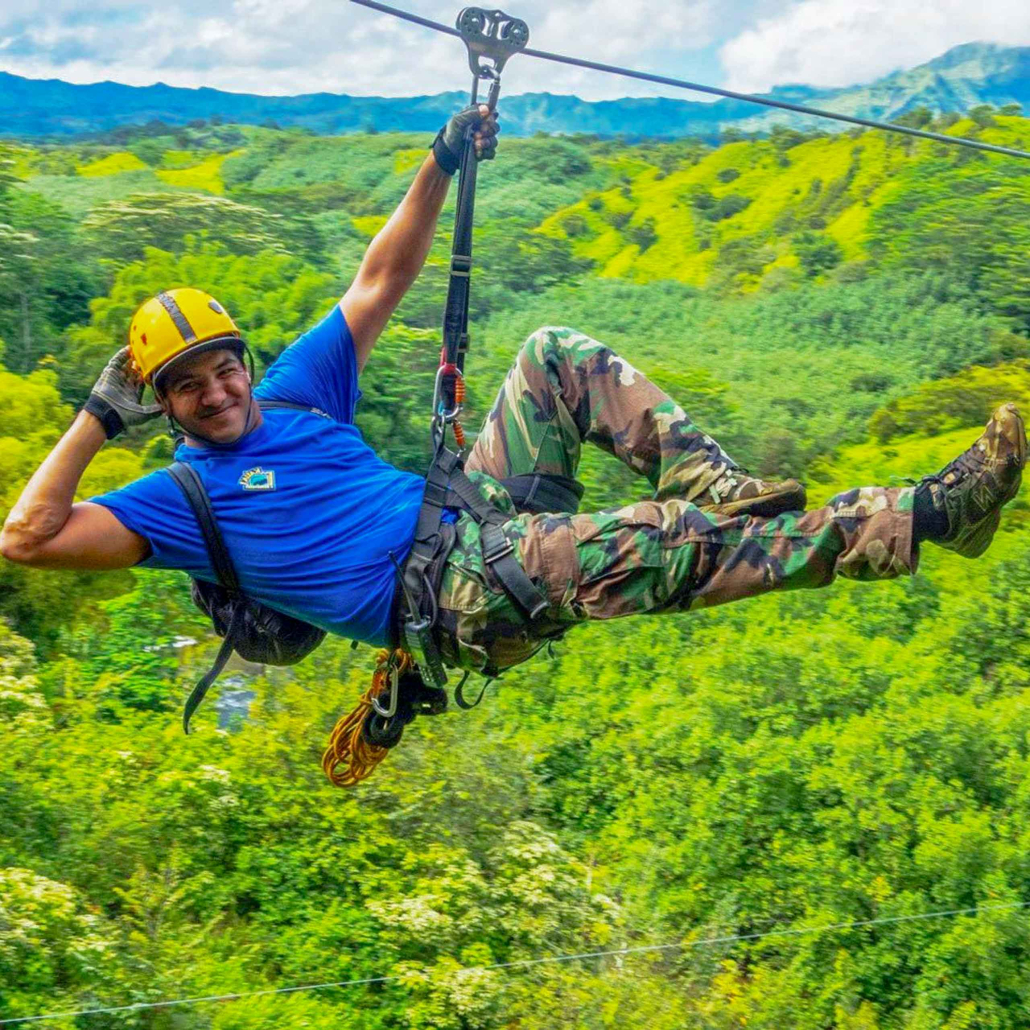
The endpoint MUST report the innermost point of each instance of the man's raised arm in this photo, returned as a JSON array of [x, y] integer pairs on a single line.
[[396, 255], [45, 528]]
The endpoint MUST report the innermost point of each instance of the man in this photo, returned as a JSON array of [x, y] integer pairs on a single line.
[[317, 524]]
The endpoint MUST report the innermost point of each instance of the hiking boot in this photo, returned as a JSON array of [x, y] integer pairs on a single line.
[[973, 488], [736, 492]]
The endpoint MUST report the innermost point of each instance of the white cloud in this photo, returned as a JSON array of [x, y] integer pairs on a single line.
[[297, 46], [843, 42]]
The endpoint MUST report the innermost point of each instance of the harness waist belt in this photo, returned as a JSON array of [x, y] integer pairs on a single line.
[[447, 486]]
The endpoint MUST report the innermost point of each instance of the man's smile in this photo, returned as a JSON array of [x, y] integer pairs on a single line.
[[217, 414]]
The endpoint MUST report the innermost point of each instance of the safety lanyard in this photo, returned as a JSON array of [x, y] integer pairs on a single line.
[[491, 38]]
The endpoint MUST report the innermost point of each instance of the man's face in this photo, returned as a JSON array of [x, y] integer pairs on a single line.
[[209, 396]]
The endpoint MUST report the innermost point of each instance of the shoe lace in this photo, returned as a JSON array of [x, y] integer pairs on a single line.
[[966, 464]]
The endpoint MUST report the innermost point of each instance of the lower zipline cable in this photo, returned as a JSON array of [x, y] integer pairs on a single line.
[[749, 98], [526, 963]]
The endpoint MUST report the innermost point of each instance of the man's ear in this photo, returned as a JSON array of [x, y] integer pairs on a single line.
[[162, 400]]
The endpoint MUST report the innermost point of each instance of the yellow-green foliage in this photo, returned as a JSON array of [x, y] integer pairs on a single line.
[[369, 225], [30, 403], [203, 176], [32, 416], [832, 185], [408, 160], [181, 158], [20, 160], [920, 433], [872, 464], [962, 400], [113, 164]]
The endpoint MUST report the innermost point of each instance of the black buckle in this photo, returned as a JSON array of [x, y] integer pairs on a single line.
[[436, 494], [497, 547]]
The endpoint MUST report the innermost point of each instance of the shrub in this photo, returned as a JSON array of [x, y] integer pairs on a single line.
[[983, 116], [575, 225], [728, 206], [817, 252], [619, 219], [643, 234]]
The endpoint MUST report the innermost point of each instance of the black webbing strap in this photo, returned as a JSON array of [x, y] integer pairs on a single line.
[[266, 405], [498, 553], [199, 692], [192, 486], [541, 492], [456, 307]]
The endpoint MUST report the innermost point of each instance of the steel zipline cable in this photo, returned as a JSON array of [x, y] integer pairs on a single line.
[[750, 98], [803, 931]]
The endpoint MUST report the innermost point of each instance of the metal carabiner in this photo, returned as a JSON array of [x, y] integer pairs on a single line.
[[446, 417], [393, 680]]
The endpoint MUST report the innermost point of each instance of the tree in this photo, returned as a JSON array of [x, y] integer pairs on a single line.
[[123, 229], [18, 264], [917, 118], [817, 252], [983, 116]]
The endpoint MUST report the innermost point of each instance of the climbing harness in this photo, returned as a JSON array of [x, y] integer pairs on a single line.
[[414, 682], [749, 98]]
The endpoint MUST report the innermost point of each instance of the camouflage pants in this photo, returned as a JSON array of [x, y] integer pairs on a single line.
[[665, 554]]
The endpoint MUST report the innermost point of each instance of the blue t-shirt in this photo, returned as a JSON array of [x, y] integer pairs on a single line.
[[309, 513]]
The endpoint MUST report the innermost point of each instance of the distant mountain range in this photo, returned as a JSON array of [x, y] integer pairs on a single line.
[[967, 75]]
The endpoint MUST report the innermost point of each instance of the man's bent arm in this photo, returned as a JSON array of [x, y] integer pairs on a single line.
[[394, 258], [46, 529]]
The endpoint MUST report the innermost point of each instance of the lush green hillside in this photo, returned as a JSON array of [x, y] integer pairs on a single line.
[[847, 309], [785, 208]]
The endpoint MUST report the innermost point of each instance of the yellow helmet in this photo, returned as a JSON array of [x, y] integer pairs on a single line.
[[176, 322]]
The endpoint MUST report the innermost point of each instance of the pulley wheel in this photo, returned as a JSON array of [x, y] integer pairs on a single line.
[[516, 32], [471, 22]]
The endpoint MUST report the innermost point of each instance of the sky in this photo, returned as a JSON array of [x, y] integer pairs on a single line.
[[285, 47]]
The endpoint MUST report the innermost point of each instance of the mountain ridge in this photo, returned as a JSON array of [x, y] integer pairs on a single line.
[[961, 78]]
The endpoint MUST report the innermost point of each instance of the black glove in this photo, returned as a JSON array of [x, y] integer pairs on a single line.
[[450, 140], [116, 396]]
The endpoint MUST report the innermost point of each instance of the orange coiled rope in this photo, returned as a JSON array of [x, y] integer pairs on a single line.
[[350, 758], [459, 399]]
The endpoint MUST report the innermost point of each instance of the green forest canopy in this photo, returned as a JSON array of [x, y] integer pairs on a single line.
[[843, 308]]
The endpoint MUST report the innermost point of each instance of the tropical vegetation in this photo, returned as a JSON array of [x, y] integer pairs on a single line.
[[740, 817]]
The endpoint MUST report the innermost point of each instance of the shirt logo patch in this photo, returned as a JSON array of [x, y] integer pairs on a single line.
[[258, 479]]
